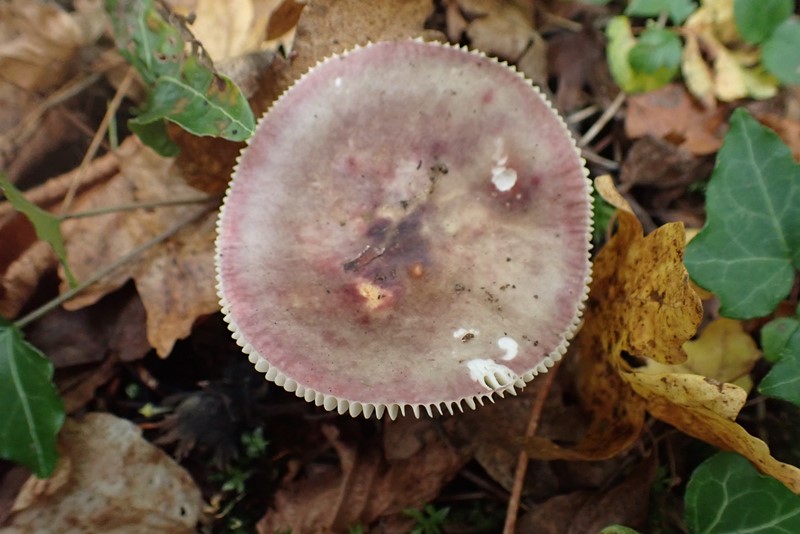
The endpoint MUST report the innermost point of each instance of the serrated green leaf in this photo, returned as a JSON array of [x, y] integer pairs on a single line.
[[46, 224], [620, 43], [775, 336], [154, 134], [32, 410], [657, 49], [780, 53], [757, 19], [749, 248], [727, 495], [201, 102], [678, 10]]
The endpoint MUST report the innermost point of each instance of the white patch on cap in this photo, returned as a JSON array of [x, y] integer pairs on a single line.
[[491, 374], [338, 81], [510, 347], [503, 178]]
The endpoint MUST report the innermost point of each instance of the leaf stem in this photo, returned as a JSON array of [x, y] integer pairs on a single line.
[[102, 273], [137, 206]]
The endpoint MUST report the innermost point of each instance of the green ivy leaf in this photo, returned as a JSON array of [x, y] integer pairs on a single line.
[[780, 55], [620, 44], [757, 20], [726, 494], [182, 89], [32, 410], [657, 49], [749, 248], [618, 529], [46, 224], [678, 10], [780, 340], [775, 336]]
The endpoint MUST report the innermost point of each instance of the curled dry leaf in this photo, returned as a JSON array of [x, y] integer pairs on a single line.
[[498, 27], [367, 486], [735, 72], [641, 304], [23, 259], [670, 113], [109, 479], [723, 352], [326, 28], [172, 278]]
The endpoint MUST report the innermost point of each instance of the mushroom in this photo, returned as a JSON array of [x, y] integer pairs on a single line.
[[408, 228]]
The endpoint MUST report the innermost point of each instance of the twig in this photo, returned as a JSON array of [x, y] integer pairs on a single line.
[[137, 206], [607, 115], [102, 273], [97, 139], [522, 462]]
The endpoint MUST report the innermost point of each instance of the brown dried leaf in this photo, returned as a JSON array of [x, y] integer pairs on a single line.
[[590, 511], [23, 259], [113, 327], [327, 27], [499, 27], [670, 113], [367, 486], [658, 163], [174, 279], [109, 479], [37, 43]]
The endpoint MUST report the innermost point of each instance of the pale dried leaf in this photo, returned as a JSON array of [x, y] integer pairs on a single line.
[[116, 482]]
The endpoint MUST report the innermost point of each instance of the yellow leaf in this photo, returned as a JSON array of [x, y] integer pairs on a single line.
[[706, 410], [640, 304], [696, 72], [724, 352], [642, 307]]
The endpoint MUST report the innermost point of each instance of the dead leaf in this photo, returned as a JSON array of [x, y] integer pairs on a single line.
[[109, 479], [736, 72], [788, 129], [37, 43], [114, 326], [367, 486], [174, 279], [669, 113], [579, 512], [498, 27], [723, 352], [640, 305], [23, 259], [706, 409], [658, 163], [577, 62], [328, 27]]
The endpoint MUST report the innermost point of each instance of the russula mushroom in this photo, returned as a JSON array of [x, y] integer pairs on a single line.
[[409, 227]]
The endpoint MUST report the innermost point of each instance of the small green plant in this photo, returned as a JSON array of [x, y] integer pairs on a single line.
[[429, 519], [183, 86], [653, 58], [748, 255]]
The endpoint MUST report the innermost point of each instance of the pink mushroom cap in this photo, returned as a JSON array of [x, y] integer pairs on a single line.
[[409, 227]]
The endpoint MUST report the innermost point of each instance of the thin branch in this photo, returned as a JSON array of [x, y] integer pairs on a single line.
[[137, 206], [98, 138], [607, 115], [522, 461], [102, 273]]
